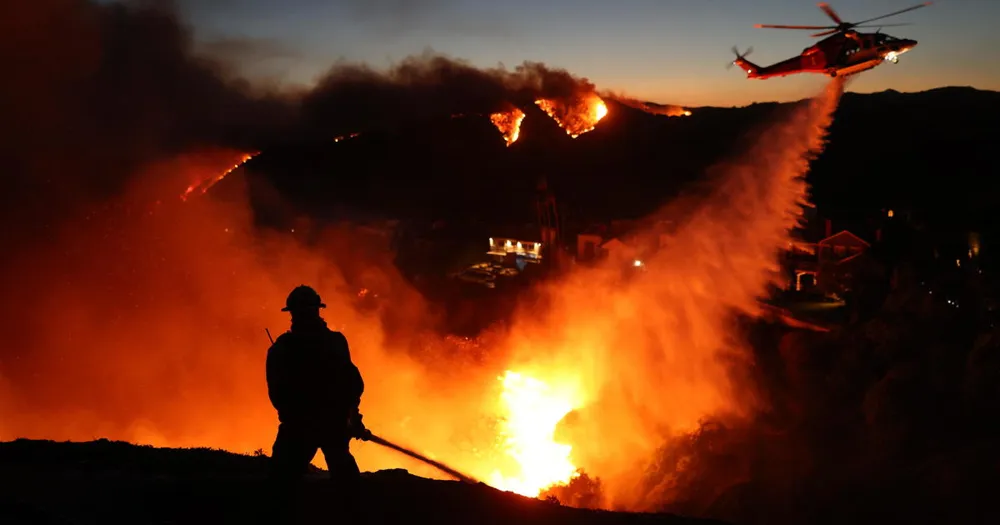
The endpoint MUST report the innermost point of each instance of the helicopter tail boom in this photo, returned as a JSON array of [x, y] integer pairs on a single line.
[[745, 64], [748, 66]]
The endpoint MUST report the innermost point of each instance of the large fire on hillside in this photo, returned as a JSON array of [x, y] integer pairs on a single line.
[[577, 115], [509, 124]]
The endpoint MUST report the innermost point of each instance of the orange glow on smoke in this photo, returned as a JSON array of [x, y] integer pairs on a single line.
[[576, 116], [508, 123], [149, 327]]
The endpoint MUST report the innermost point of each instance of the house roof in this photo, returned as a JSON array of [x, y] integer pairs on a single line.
[[849, 259], [843, 235], [614, 243]]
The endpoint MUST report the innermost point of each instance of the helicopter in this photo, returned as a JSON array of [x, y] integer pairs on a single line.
[[843, 53]]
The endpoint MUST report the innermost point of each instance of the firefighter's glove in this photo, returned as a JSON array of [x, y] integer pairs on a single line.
[[358, 430]]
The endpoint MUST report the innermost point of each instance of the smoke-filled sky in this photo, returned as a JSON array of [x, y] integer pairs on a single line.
[[671, 51]]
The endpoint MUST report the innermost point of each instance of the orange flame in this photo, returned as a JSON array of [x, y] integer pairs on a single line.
[[345, 137], [577, 116], [204, 185], [531, 410], [509, 124]]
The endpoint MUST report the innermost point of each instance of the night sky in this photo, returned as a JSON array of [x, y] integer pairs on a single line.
[[671, 51]]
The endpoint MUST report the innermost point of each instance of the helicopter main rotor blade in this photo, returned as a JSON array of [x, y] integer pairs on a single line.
[[824, 33], [830, 12], [812, 28], [901, 11], [887, 25]]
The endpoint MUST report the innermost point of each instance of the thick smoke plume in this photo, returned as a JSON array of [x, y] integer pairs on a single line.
[[145, 320], [132, 316], [96, 91], [353, 97], [102, 89]]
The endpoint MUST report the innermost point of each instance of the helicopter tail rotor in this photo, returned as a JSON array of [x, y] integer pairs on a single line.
[[739, 56]]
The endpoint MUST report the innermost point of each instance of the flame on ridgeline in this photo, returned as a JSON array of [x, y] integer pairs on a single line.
[[345, 137], [509, 124], [666, 110], [204, 185], [577, 116]]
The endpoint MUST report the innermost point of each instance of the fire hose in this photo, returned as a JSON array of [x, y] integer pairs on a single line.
[[436, 464]]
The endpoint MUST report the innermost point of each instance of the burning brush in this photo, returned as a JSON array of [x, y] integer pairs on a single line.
[[204, 185], [577, 116], [508, 123]]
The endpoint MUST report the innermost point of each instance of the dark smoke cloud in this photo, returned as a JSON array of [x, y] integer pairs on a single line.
[[99, 90], [354, 96], [103, 89], [247, 50]]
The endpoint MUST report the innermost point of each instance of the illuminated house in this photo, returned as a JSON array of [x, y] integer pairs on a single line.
[[531, 251], [828, 264]]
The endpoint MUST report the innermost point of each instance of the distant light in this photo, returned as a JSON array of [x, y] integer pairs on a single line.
[[637, 263], [293, 230], [891, 214], [958, 262], [491, 241]]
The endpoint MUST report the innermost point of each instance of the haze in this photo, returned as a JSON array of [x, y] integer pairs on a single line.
[[671, 51]]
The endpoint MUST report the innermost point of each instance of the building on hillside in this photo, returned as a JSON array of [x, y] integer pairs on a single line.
[[588, 247], [828, 265], [621, 249], [510, 246], [518, 247], [623, 239]]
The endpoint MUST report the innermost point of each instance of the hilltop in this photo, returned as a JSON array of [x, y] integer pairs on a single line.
[[104, 481], [925, 152]]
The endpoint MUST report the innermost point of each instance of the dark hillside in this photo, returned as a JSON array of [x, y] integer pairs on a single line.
[[114, 482], [926, 152]]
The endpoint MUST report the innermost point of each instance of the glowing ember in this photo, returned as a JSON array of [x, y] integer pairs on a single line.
[[208, 183], [578, 116], [532, 410], [345, 137], [509, 124]]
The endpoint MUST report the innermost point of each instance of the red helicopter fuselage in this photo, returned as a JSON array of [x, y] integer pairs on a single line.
[[840, 55]]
